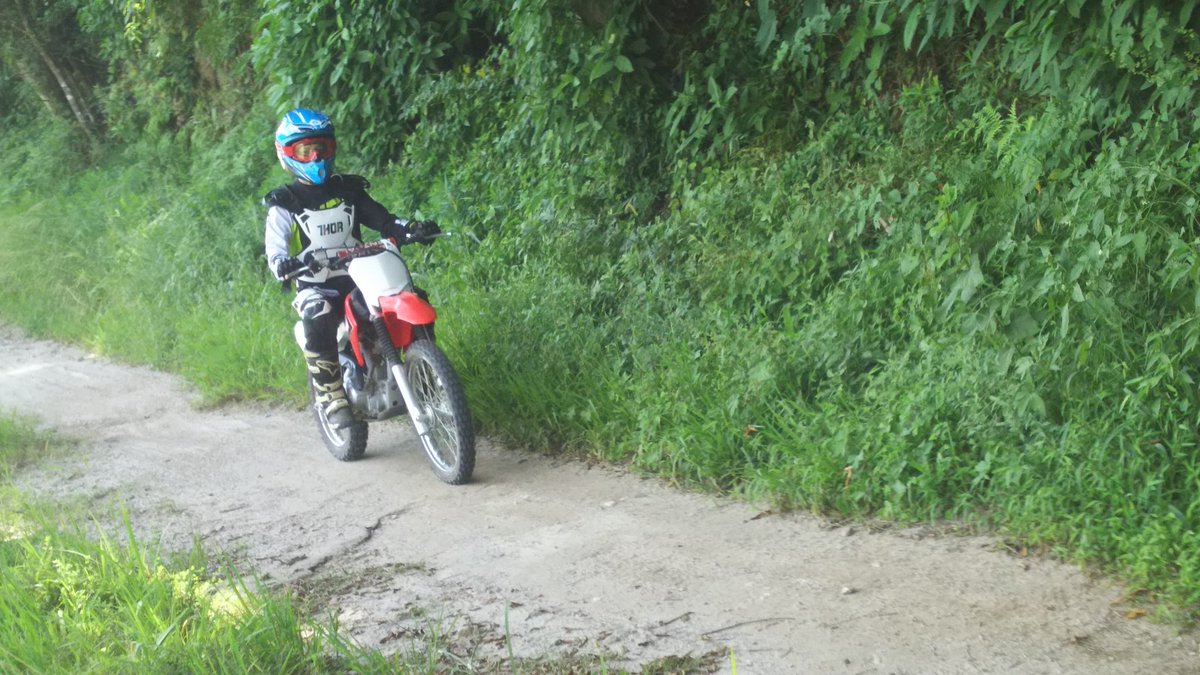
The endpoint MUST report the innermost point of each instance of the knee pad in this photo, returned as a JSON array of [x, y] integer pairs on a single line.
[[310, 304], [319, 320]]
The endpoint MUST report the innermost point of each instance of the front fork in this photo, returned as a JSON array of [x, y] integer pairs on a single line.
[[392, 357]]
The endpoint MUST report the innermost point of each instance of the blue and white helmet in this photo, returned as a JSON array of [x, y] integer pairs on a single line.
[[298, 125]]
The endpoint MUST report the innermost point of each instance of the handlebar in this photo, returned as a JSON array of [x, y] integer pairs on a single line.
[[339, 258]]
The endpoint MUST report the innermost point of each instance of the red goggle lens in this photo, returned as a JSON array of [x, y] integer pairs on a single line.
[[310, 149]]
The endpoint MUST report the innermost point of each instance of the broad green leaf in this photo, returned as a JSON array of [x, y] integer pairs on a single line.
[[1185, 12], [876, 56], [768, 24], [623, 64], [910, 28], [858, 40], [1023, 326], [993, 11], [1139, 245], [600, 70]]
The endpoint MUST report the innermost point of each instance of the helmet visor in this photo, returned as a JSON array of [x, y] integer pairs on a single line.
[[310, 149]]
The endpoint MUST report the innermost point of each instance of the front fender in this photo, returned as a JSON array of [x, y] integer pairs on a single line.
[[403, 311]]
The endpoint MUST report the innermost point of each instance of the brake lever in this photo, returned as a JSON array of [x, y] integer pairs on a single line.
[[426, 240]]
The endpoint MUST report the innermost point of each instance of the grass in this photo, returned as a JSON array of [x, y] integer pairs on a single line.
[[74, 598], [21, 444], [78, 604]]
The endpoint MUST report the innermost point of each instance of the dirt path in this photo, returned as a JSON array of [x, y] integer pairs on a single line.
[[572, 558]]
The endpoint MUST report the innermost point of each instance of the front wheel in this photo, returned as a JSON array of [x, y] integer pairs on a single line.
[[347, 444], [450, 443]]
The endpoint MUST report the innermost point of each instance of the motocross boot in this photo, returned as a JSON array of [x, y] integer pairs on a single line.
[[327, 389]]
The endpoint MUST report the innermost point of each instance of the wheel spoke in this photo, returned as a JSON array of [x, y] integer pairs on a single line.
[[448, 441], [439, 417]]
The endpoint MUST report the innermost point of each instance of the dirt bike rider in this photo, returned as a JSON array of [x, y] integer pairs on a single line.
[[321, 209]]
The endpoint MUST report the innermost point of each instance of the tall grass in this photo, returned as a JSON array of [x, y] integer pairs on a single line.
[[74, 599], [71, 604], [139, 262]]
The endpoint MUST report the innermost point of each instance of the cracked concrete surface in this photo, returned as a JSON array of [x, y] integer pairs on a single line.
[[561, 556]]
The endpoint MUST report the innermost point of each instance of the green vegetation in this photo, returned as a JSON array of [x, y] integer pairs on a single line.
[[21, 444], [74, 605], [913, 260], [74, 602]]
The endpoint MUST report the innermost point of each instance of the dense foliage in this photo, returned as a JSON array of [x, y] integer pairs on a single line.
[[919, 259]]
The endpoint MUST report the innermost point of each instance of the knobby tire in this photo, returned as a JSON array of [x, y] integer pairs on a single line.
[[450, 444]]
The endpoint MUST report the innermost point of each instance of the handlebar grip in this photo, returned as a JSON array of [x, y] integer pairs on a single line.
[[310, 268], [291, 276]]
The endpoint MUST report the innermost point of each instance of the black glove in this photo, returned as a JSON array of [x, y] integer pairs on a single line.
[[285, 267], [423, 231]]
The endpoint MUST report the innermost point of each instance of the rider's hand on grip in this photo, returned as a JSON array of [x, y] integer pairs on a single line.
[[288, 267], [423, 231]]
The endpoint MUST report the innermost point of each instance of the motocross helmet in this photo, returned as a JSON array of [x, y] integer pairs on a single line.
[[305, 145]]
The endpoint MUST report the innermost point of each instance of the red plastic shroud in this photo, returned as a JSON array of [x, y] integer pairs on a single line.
[[400, 313]]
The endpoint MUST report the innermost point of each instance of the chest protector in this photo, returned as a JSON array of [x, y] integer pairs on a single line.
[[331, 226]]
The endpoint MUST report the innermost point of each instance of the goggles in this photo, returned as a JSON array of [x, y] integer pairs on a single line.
[[310, 149]]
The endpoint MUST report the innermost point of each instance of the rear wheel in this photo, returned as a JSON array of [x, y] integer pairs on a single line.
[[348, 443], [450, 443]]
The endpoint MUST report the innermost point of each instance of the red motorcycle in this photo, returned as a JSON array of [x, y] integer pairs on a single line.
[[391, 364]]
